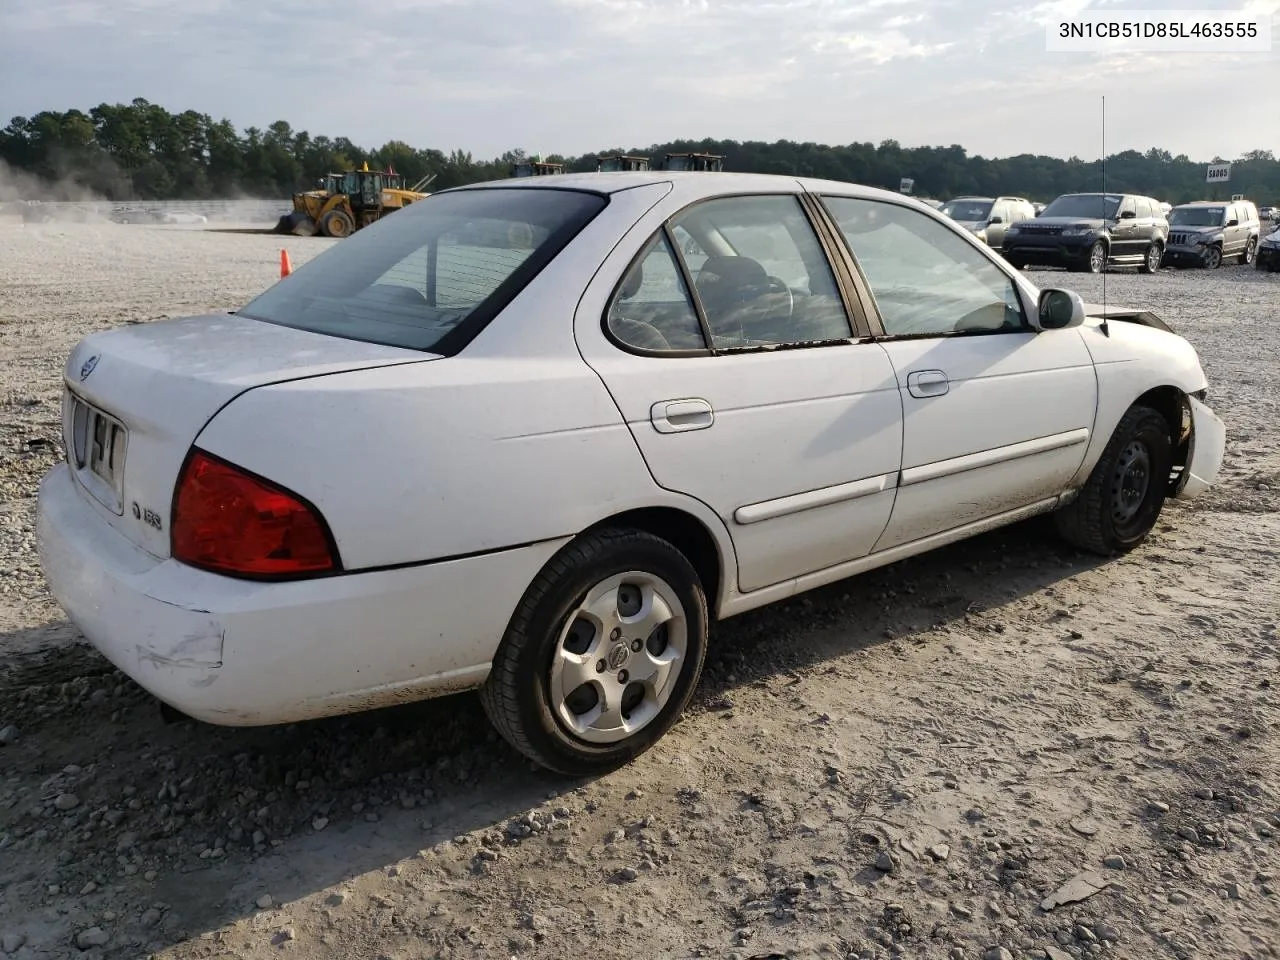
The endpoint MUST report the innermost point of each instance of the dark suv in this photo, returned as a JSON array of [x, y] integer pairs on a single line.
[[1205, 233], [1090, 231]]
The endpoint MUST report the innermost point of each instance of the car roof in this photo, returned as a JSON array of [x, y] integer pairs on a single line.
[[1210, 203], [711, 183]]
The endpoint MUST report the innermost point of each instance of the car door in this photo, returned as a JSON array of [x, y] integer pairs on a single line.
[[996, 416], [1234, 232], [1126, 238], [995, 231], [1145, 224], [729, 348]]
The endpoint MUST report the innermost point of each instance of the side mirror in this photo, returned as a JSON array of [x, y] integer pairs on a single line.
[[994, 220], [1233, 222], [1060, 309], [1128, 215]]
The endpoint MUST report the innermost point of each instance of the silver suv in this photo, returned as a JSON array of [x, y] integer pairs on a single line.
[[1205, 233], [989, 217]]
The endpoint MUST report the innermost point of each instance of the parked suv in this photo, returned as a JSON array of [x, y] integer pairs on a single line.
[[1269, 252], [1089, 231], [989, 217], [1205, 232]]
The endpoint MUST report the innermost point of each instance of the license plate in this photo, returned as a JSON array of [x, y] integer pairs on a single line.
[[98, 445]]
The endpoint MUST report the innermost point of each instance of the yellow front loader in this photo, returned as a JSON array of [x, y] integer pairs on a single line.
[[345, 202]]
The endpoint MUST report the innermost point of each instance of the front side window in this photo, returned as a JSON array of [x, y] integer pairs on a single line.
[[427, 277], [761, 274], [651, 309], [926, 280]]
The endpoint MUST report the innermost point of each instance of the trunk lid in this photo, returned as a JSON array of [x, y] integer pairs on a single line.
[[137, 397]]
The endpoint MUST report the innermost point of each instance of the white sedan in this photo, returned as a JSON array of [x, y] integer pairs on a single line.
[[518, 438]]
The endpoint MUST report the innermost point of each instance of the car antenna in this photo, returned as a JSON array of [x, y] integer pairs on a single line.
[[1104, 326]]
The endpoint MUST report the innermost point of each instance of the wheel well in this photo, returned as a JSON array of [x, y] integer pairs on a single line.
[[684, 532], [1171, 403]]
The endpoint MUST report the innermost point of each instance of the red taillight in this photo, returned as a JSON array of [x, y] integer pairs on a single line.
[[229, 521]]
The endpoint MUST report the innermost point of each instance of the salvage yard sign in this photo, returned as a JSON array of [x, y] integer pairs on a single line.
[[1218, 173]]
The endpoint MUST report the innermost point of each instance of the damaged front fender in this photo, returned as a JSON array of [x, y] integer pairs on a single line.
[[1206, 448]]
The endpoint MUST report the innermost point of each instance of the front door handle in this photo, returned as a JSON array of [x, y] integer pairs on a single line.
[[928, 383], [677, 416]]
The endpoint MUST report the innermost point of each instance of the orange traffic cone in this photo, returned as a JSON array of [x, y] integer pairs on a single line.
[[286, 268]]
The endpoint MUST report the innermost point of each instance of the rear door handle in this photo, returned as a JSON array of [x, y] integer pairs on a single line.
[[677, 416], [928, 383]]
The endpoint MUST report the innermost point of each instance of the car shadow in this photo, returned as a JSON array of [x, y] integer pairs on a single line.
[[195, 803]]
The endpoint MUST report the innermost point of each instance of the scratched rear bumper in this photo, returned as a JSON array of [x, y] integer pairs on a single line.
[[238, 653]]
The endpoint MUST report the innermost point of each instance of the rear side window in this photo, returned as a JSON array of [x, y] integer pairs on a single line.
[[652, 309], [429, 277]]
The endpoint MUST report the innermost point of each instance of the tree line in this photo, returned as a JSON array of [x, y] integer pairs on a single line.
[[141, 151]]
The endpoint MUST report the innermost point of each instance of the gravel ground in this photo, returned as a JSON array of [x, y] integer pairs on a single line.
[[1004, 749]]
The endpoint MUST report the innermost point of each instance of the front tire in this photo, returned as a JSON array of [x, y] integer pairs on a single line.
[[337, 224], [1213, 258], [1123, 497], [602, 655], [1096, 261]]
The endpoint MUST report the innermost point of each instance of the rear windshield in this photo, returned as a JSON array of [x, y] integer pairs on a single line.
[[1094, 206], [429, 276]]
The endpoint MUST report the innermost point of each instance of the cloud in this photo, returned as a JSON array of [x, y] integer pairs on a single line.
[[576, 75]]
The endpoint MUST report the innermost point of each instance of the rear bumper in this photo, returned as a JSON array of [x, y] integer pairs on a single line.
[[1208, 445], [238, 653]]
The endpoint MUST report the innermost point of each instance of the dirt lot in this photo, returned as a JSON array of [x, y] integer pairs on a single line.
[[905, 764]]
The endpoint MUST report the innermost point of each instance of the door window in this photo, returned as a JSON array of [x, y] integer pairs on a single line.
[[1127, 206], [651, 309], [761, 274], [926, 280], [1143, 208]]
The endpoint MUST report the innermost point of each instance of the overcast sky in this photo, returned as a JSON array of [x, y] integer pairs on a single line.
[[572, 76]]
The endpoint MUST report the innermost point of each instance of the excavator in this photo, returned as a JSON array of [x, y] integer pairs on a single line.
[[345, 202], [536, 168], [710, 162], [620, 162]]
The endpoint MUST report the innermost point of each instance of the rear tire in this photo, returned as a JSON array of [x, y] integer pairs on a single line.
[[1250, 251], [1152, 259], [602, 655], [1122, 499]]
